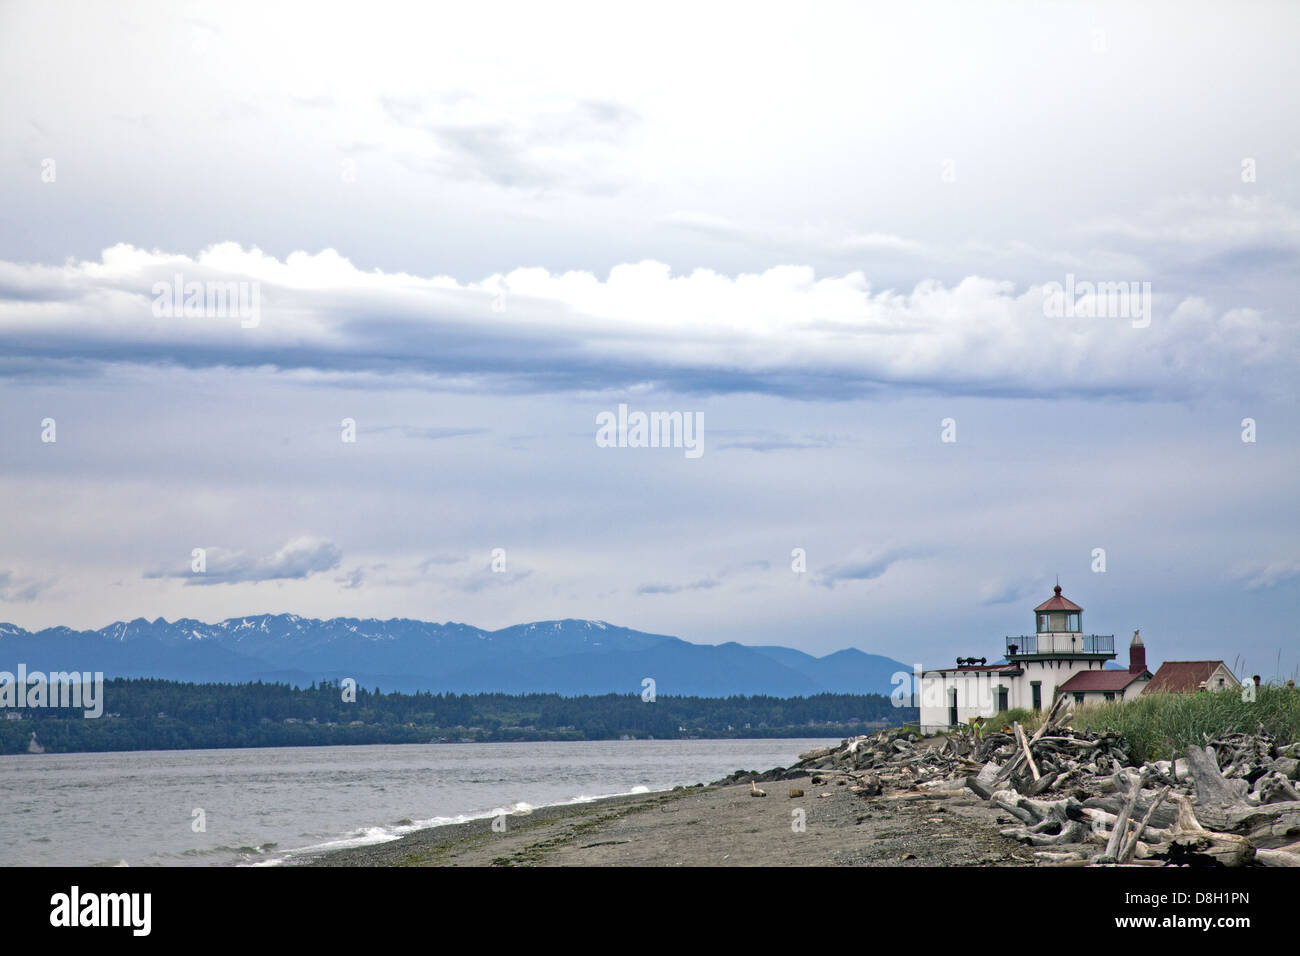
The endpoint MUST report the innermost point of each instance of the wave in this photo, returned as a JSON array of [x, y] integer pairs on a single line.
[[370, 835]]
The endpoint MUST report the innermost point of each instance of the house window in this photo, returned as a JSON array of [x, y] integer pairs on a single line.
[[1078, 697], [1109, 695]]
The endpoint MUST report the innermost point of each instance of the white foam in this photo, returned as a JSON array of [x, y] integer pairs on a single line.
[[369, 836]]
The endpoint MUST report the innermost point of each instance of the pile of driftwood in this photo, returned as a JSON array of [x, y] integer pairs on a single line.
[[1081, 799]]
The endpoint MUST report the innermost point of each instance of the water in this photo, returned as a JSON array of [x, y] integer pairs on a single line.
[[265, 805]]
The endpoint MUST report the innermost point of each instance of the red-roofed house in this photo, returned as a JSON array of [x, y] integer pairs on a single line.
[[1188, 677], [1094, 687]]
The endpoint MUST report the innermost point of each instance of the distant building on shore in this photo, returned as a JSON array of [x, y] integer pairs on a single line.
[[1188, 677], [1057, 658]]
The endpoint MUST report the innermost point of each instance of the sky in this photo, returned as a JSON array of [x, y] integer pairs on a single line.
[[857, 243]]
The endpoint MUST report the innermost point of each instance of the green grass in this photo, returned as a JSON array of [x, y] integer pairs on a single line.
[[1160, 724], [1156, 725], [1029, 720]]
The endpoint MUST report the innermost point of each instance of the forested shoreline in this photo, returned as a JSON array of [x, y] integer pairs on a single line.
[[149, 714]]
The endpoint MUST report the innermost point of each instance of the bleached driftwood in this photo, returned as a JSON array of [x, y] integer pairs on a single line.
[[1024, 746], [1130, 844]]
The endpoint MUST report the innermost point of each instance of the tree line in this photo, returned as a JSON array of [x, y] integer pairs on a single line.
[[151, 714]]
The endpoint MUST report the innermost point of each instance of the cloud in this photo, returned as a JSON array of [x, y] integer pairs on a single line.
[[1262, 576], [706, 223], [859, 568], [437, 559], [702, 585], [880, 242], [298, 559], [1201, 220], [353, 579], [21, 589], [486, 578], [429, 433], [998, 592], [533, 145], [768, 441], [806, 239], [454, 573], [784, 331], [360, 576]]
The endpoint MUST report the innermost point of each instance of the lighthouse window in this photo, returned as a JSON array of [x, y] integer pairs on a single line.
[[1042, 623], [1073, 623]]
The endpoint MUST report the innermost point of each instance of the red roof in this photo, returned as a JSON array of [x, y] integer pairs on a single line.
[[1058, 603], [1099, 681], [1182, 677]]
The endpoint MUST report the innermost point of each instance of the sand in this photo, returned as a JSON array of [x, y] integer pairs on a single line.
[[718, 826]]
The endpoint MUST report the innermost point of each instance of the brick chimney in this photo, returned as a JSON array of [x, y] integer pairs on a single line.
[[1137, 655]]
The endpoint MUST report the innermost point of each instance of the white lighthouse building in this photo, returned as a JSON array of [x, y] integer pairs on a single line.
[[1035, 669]]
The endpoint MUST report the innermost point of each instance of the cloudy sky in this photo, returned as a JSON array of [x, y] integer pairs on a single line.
[[832, 232]]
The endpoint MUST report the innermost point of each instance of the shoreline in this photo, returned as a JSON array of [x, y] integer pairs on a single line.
[[715, 825], [302, 855]]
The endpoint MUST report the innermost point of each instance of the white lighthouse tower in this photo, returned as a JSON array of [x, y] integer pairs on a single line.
[[1056, 651]]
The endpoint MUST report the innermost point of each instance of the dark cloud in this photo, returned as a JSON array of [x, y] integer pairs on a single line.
[[572, 332]]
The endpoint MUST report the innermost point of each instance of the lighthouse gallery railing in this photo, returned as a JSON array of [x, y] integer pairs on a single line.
[[1063, 643]]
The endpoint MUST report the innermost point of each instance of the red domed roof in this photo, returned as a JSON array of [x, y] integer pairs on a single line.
[[1058, 603]]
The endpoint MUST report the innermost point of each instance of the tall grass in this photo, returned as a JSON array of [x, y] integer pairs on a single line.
[[1158, 724], [1029, 720]]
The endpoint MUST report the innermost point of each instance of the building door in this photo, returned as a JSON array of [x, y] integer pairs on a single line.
[[952, 707], [1002, 699], [1038, 694]]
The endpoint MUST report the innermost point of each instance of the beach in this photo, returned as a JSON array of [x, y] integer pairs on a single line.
[[717, 826]]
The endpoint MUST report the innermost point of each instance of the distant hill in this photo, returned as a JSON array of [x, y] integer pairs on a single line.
[[568, 657]]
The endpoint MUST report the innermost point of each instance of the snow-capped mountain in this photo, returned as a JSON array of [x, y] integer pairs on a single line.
[[567, 657]]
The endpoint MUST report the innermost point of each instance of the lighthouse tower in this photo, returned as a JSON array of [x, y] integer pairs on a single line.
[[1058, 649]]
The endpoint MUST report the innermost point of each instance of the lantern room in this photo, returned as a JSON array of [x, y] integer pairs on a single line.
[[1058, 615]]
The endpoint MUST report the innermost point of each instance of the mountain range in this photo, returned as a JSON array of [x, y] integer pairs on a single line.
[[568, 657]]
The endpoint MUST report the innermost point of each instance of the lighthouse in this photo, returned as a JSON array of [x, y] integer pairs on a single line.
[[1031, 674]]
